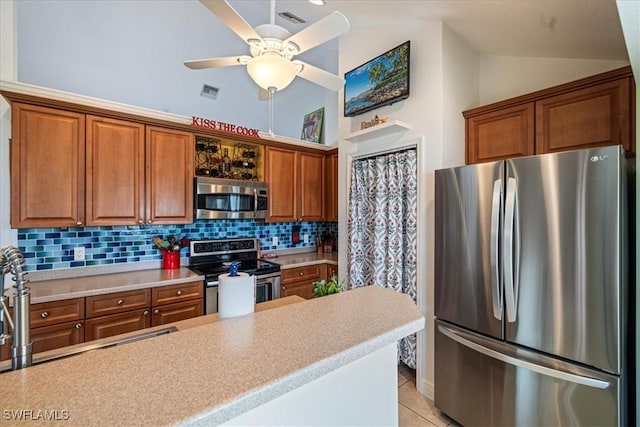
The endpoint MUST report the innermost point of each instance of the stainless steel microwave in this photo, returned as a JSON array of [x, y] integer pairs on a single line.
[[219, 198]]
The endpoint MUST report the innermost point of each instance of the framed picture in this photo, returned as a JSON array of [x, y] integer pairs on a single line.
[[312, 126]]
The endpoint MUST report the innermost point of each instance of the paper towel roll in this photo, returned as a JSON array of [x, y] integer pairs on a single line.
[[236, 295]]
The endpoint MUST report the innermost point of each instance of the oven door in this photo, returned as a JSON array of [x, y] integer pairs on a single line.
[[267, 287], [211, 297]]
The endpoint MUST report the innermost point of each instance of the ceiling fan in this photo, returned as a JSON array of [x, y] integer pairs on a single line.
[[272, 48]]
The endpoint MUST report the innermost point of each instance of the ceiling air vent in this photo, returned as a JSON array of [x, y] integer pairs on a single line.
[[209, 91], [292, 18]]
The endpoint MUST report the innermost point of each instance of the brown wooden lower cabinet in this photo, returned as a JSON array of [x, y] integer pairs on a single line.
[[51, 337], [115, 324], [299, 280], [175, 312], [118, 302], [304, 290], [54, 324]]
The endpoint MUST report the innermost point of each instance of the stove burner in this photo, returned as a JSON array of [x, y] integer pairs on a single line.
[[214, 257]]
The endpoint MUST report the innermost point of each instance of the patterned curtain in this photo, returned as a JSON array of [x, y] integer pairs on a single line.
[[382, 228]]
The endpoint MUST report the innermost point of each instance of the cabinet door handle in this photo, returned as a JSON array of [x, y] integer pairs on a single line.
[[178, 292], [146, 313], [78, 325], [140, 222], [149, 221], [156, 311], [44, 315], [79, 223], [120, 302]]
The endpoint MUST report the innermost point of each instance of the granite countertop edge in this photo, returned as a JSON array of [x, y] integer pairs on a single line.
[[85, 286], [301, 377], [217, 387]]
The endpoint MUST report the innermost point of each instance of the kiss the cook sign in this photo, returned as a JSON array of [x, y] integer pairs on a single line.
[[225, 127]]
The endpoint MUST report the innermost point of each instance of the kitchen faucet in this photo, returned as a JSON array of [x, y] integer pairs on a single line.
[[11, 260]]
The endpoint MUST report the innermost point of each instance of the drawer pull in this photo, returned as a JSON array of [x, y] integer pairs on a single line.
[[44, 314], [302, 273], [120, 302], [178, 292], [284, 287], [156, 311], [78, 325]]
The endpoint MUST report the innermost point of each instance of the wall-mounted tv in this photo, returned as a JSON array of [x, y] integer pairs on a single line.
[[381, 81]]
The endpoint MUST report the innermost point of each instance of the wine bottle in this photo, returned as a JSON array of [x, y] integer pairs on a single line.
[[225, 165]]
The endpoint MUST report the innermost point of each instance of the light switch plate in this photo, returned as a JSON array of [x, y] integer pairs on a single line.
[[274, 240], [306, 238], [78, 253]]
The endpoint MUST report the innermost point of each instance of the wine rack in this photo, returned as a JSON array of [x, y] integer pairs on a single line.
[[244, 162], [208, 156]]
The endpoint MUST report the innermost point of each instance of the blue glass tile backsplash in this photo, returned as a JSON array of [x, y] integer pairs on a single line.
[[52, 248]]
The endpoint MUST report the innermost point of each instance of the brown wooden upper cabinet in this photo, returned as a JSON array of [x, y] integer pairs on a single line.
[[169, 175], [331, 188], [296, 185], [47, 167], [115, 171], [70, 170], [508, 132], [138, 175], [591, 112]]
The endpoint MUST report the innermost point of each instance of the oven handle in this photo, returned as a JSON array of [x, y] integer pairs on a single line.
[[267, 276], [212, 284]]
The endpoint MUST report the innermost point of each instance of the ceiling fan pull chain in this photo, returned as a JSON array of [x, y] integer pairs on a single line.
[[272, 94]]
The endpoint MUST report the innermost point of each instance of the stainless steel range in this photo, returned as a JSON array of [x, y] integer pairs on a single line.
[[211, 258]]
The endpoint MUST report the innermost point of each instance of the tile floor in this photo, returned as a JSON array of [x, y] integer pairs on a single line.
[[415, 410]]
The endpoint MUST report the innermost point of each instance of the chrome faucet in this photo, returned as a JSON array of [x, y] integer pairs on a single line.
[[11, 260]]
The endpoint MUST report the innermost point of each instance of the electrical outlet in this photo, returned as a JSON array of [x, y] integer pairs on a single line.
[[306, 238], [78, 253], [274, 240]]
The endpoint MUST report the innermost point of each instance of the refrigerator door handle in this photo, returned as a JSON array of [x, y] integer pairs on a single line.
[[511, 250], [496, 209], [561, 375]]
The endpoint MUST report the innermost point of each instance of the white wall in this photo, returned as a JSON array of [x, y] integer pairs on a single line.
[[7, 72], [461, 92], [133, 53], [423, 111], [503, 77]]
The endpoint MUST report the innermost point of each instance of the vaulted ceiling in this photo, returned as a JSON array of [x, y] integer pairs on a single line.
[[587, 29]]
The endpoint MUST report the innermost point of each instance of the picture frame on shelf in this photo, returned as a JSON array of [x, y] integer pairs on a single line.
[[312, 126]]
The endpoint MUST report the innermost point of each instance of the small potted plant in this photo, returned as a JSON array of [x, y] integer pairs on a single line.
[[327, 287]]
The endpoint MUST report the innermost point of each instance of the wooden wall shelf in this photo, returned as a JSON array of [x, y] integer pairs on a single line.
[[384, 129]]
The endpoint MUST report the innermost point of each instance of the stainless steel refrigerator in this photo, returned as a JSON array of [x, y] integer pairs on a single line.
[[532, 291]]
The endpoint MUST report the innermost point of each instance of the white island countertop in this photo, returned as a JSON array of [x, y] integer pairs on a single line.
[[216, 371]]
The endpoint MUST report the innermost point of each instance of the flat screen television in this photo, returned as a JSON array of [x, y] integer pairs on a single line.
[[380, 81]]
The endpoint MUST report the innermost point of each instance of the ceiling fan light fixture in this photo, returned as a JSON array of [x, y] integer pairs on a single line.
[[272, 70]]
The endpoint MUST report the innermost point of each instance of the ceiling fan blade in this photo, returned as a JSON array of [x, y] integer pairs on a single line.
[[327, 28], [198, 64], [232, 19], [319, 76]]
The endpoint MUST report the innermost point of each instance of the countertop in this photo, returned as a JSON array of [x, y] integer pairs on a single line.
[[305, 258], [221, 369], [181, 325], [76, 287]]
